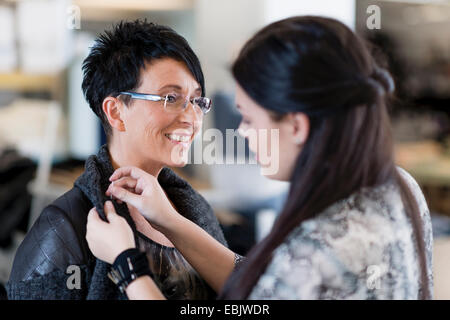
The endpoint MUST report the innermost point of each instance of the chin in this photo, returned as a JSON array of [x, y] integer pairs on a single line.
[[271, 176], [178, 164], [273, 173], [178, 158]]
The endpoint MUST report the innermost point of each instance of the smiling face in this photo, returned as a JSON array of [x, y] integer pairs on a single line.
[[148, 134]]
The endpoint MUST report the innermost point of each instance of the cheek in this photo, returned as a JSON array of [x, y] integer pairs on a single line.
[[147, 127], [288, 154], [286, 148], [151, 132], [250, 134], [284, 140], [198, 126], [265, 138]]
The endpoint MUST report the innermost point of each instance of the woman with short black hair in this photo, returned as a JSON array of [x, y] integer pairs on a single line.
[[146, 85]]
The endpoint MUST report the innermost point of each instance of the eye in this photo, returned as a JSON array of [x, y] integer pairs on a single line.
[[198, 101], [171, 98]]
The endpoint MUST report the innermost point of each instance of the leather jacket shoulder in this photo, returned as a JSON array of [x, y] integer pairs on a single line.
[[56, 240]]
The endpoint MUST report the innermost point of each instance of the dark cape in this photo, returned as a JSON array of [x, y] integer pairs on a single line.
[[57, 239]]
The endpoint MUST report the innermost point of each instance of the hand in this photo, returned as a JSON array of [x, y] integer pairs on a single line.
[[142, 190], [107, 240]]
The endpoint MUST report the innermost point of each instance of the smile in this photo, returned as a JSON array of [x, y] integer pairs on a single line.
[[178, 138]]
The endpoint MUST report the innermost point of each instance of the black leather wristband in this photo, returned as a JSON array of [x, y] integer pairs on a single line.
[[128, 266]]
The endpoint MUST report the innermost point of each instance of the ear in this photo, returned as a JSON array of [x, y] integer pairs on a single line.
[[112, 107], [300, 128]]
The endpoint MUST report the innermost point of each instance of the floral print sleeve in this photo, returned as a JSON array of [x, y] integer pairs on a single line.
[[238, 259], [362, 247]]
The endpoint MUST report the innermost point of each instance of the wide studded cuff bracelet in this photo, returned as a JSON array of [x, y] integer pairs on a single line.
[[128, 266]]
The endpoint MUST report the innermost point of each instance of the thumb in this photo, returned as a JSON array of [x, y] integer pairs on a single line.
[[93, 216], [109, 210], [125, 195]]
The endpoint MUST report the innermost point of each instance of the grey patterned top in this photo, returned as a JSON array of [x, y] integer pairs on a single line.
[[362, 247]]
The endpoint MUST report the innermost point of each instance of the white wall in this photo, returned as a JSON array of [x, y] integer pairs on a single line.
[[342, 10], [223, 26], [84, 126]]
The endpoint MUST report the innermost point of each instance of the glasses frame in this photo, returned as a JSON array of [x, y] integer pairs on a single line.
[[155, 97]]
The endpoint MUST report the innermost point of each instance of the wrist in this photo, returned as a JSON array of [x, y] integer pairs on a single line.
[[170, 222], [119, 252], [127, 267]]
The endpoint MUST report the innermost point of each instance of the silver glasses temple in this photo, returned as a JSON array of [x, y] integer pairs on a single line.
[[151, 97]]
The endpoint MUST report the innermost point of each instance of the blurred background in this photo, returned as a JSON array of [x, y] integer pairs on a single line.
[[47, 129]]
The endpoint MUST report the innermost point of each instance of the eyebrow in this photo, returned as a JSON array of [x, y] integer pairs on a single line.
[[177, 87]]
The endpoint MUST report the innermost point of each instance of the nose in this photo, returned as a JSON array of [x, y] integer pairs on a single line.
[[190, 115], [191, 112]]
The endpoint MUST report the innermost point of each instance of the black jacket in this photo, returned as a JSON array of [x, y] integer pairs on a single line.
[[57, 240]]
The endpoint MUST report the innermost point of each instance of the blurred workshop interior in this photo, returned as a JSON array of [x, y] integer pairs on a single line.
[[47, 129]]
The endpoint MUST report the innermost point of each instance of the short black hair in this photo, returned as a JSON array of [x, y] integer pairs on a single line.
[[118, 55]]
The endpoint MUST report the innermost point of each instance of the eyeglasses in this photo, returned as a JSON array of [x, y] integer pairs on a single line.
[[175, 103]]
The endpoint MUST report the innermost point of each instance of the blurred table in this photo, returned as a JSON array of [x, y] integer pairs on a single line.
[[441, 265], [429, 163]]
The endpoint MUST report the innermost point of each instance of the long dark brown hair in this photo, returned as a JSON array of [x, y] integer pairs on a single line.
[[318, 66]]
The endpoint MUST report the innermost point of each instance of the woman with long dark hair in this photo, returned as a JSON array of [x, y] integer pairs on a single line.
[[354, 226]]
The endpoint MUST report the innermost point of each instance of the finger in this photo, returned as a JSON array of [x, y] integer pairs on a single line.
[[125, 196], [109, 194], [93, 221], [133, 172], [93, 215], [109, 210], [124, 182]]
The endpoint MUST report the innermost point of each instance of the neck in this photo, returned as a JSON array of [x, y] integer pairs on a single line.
[[119, 158]]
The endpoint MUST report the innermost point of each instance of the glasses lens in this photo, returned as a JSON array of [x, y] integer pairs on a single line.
[[175, 104], [204, 104]]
